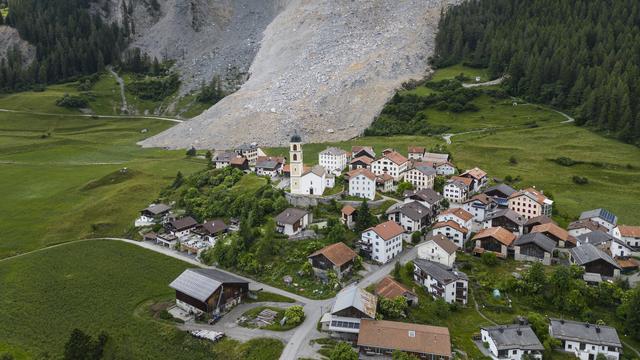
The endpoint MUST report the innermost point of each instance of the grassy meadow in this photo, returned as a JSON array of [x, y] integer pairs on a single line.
[[100, 286]]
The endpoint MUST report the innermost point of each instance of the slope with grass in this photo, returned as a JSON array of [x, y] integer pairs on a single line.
[[98, 286]]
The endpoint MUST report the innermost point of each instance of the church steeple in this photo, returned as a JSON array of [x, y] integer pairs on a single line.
[[296, 163]]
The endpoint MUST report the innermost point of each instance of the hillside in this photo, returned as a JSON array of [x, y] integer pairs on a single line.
[[324, 69]]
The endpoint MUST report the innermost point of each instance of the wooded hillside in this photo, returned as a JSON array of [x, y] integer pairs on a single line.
[[575, 54]]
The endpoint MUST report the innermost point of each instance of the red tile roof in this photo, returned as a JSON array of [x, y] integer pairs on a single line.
[[452, 224], [338, 253], [630, 231], [389, 288], [413, 338], [348, 210], [503, 235], [458, 212], [387, 230]]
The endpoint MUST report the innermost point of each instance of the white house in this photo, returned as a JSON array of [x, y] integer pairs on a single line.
[[478, 176], [181, 227], [154, 214], [586, 340], [362, 183], [292, 221], [269, 165], [351, 306], [530, 203], [457, 189], [392, 163], [427, 197], [459, 215], [333, 160], [435, 158], [441, 281], [382, 242], [511, 342], [603, 217], [438, 248], [223, 159], [445, 168], [479, 206], [210, 231], [631, 236], [452, 231], [580, 227], [416, 152], [249, 151], [411, 216], [620, 249], [421, 177]]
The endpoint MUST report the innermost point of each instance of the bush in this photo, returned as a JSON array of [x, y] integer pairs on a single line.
[[566, 161], [580, 180], [155, 88], [72, 102], [513, 160], [294, 314], [489, 259]]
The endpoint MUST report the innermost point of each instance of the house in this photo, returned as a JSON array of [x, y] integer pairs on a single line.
[[223, 159], [154, 214], [384, 183], [594, 260], [457, 189], [333, 160], [210, 231], [240, 163], [586, 340], [580, 227], [438, 248], [362, 183], [271, 166], [631, 236], [601, 216], [444, 168], [362, 162], [416, 152], [336, 257], [382, 242], [459, 215], [391, 289], [427, 197], [313, 181], [555, 232], [381, 337], [496, 239], [181, 227], [351, 307], [479, 206], [452, 231], [620, 250], [512, 342], [506, 218], [167, 239], [500, 194], [348, 217], [435, 157], [391, 163], [534, 247], [478, 176], [596, 238], [421, 177], [208, 291], [249, 151], [292, 221], [367, 151], [411, 216], [441, 281], [538, 220], [530, 203]]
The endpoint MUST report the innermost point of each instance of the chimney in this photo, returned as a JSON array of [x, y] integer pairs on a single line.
[[519, 332], [598, 329]]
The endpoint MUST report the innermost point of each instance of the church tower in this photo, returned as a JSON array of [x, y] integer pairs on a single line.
[[296, 164]]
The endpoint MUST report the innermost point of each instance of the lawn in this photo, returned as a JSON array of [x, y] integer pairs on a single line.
[[97, 286], [69, 186], [455, 70]]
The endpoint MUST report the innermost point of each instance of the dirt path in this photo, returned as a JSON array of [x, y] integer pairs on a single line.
[[92, 116], [497, 81], [124, 109]]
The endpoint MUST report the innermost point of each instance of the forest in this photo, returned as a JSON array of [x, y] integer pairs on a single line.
[[69, 42], [578, 55]]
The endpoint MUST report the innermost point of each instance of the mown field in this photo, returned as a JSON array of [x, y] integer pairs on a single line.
[[100, 286], [69, 185]]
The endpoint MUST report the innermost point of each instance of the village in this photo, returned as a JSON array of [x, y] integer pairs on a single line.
[[429, 213]]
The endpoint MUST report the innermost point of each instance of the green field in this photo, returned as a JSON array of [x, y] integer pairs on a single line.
[[98, 286], [68, 186]]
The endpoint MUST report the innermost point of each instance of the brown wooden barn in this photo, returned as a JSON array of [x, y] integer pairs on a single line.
[[208, 291]]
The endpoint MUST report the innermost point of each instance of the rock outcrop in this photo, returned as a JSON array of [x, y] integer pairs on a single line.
[[9, 38]]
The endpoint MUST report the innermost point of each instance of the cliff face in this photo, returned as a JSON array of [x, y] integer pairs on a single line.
[[325, 68], [9, 38]]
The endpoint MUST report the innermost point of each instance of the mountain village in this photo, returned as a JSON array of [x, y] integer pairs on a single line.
[[472, 214]]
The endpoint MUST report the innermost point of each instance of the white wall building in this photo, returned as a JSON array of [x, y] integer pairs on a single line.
[[445, 169], [438, 248], [603, 217], [456, 190], [333, 160], [511, 342], [452, 231], [631, 236], [382, 242], [458, 215], [479, 206], [441, 281], [421, 177], [391, 163], [362, 183], [586, 340]]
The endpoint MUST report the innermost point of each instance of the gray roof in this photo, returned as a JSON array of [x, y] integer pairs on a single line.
[[509, 214], [584, 332], [184, 223], [435, 157], [318, 170], [426, 170], [333, 151], [413, 210], [358, 298], [267, 164], [214, 226], [429, 196], [290, 216], [594, 238], [200, 284], [158, 208], [503, 188], [245, 147], [543, 241], [225, 156], [601, 213], [587, 253], [440, 272], [514, 337]]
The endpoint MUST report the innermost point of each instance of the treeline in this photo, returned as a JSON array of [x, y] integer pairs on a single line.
[[69, 42], [575, 54]]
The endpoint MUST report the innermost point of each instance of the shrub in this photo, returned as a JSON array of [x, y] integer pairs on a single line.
[[489, 259], [294, 314], [580, 180], [513, 160], [72, 102], [566, 161]]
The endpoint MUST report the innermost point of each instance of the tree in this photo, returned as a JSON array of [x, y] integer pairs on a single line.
[[178, 181], [404, 186], [416, 237], [191, 151], [535, 279], [630, 311], [294, 314], [343, 351], [489, 258], [81, 346], [393, 308], [438, 183], [364, 218]]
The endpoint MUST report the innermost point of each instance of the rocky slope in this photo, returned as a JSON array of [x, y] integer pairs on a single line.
[[325, 68], [9, 38]]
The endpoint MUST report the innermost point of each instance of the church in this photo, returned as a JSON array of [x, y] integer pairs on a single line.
[[311, 181]]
